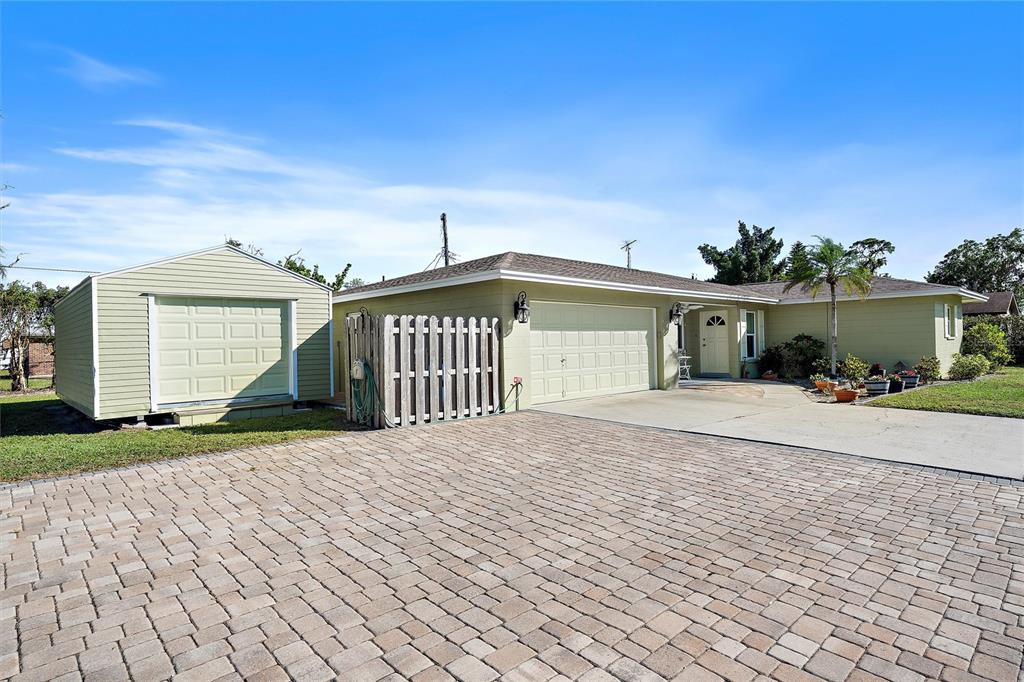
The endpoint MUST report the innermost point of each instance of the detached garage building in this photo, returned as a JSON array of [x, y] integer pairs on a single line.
[[204, 335]]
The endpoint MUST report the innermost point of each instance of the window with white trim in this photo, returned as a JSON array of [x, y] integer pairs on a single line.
[[750, 337], [950, 321]]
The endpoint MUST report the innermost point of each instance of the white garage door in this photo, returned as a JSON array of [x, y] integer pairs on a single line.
[[210, 349], [579, 350]]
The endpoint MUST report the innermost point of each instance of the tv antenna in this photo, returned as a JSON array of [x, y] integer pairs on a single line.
[[445, 254], [627, 246]]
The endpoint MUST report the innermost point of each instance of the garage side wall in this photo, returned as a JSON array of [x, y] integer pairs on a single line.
[[73, 349], [517, 336], [123, 321], [479, 299]]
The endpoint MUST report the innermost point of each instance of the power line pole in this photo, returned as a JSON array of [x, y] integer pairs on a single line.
[[628, 248], [444, 244]]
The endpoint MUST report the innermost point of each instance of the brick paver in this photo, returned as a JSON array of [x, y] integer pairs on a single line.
[[527, 547]]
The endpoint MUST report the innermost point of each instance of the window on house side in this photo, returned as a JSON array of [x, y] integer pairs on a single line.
[[950, 322], [751, 335]]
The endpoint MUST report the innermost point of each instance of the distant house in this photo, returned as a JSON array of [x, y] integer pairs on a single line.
[[38, 360], [998, 303]]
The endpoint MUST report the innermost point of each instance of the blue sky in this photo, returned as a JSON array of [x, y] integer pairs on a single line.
[[136, 131]]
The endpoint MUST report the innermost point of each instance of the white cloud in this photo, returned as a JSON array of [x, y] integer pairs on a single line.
[[195, 185], [95, 74]]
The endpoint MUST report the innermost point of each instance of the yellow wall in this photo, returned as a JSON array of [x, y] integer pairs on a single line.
[[886, 331], [495, 298]]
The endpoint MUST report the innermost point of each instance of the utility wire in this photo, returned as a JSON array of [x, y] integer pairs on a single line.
[[26, 267]]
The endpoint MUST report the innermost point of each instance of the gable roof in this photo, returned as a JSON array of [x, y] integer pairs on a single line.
[[881, 287], [999, 303], [533, 267], [190, 254]]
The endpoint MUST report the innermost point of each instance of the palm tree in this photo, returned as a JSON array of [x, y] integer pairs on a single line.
[[829, 263]]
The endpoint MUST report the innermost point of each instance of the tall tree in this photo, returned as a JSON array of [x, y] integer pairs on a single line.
[[296, 263], [17, 306], [43, 315], [997, 264], [873, 253], [829, 264], [753, 258]]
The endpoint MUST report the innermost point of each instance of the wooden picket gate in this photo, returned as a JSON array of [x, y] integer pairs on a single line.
[[426, 368]]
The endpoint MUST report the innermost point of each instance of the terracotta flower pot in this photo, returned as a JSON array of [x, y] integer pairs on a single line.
[[822, 385], [844, 395]]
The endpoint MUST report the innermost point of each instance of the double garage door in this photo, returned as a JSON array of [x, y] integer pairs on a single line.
[[210, 349], [579, 350]]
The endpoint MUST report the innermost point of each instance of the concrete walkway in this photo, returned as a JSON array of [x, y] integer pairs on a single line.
[[779, 413]]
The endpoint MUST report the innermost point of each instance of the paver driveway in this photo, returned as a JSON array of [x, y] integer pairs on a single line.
[[529, 545]]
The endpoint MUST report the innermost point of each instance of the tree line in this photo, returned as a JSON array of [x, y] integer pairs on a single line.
[[994, 264]]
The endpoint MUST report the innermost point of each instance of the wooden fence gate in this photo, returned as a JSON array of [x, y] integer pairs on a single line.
[[425, 368]]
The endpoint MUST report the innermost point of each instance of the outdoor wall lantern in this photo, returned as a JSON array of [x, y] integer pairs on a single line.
[[675, 313], [521, 308]]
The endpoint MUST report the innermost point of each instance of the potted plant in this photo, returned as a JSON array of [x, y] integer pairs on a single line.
[[876, 384], [846, 395], [821, 381], [895, 383], [910, 378]]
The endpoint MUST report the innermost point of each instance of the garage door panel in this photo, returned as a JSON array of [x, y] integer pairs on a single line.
[[220, 349], [581, 350]]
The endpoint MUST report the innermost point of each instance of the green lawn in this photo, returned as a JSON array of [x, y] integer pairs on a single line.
[[34, 443], [33, 384], [1001, 395]]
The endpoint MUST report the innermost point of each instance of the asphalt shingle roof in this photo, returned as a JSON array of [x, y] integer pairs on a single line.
[[559, 267], [879, 285], [998, 303]]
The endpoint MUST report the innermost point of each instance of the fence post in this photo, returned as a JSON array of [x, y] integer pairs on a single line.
[[433, 383], [473, 351], [349, 332], [495, 364], [388, 368], [485, 388], [420, 370], [403, 371], [448, 397], [460, 364]]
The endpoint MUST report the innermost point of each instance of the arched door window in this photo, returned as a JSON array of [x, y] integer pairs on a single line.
[[715, 321]]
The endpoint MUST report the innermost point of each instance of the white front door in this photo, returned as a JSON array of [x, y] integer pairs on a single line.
[[714, 343]]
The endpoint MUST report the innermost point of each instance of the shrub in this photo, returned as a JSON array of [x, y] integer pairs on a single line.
[[988, 340], [928, 369], [799, 357], [1012, 326], [877, 369], [803, 351], [967, 367], [771, 359], [853, 368]]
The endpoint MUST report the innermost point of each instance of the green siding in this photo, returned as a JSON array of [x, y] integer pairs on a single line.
[[480, 299], [73, 349], [123, 320], [494, 299], [886, 331]]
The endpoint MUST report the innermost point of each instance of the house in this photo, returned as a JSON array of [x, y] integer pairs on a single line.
[[1002, 303], [597, 329], [38, 358], [208, 335]]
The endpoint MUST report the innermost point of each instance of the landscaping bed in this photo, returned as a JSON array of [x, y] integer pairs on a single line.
[[39, 436], [997, 395]]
